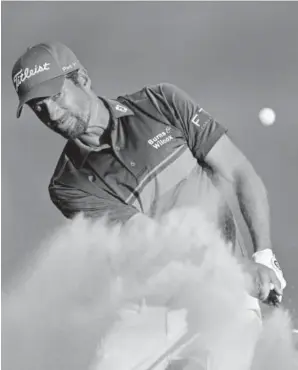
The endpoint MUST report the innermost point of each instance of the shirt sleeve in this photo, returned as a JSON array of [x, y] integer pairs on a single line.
[[200, 130], [71, 201]]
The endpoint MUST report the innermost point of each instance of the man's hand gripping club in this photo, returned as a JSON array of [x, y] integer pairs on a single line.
[[276, 286], [268, 279]]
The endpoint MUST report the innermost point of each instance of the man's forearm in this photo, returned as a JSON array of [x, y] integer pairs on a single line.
[[253, 202]]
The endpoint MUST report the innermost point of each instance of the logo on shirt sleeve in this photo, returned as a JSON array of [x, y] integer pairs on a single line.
[[201, 118]]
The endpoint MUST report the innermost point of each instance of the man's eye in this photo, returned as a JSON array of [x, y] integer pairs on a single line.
[[56, 96], [37, 107]]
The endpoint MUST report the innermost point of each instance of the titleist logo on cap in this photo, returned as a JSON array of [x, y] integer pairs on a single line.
[[27, 73]]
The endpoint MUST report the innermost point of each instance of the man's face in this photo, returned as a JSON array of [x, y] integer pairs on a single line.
[[67, 113]]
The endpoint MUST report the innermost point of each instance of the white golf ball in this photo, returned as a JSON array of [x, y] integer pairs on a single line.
[[267, 116]]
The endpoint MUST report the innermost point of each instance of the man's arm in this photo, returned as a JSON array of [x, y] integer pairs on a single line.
[[229, 162]]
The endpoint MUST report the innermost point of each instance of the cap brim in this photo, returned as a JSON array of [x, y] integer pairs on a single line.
[[44, 89]]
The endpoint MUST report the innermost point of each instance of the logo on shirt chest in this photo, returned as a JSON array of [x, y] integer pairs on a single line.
[[161, 139]]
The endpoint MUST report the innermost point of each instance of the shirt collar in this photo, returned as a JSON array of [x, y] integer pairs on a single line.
[[78, 152], [116, 108]]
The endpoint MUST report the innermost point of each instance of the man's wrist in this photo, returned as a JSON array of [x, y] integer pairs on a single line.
[[262, 246]]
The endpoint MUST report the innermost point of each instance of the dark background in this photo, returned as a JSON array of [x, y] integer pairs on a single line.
[[233, 57]]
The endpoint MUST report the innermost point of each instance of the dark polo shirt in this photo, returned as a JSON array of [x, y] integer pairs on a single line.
[[153, 161]]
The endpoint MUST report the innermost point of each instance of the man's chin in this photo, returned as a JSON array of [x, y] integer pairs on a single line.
[[76, 133]]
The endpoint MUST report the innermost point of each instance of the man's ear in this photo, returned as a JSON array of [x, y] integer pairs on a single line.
[[83, 79]]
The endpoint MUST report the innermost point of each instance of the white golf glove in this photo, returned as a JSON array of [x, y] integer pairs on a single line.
[[266, 257]]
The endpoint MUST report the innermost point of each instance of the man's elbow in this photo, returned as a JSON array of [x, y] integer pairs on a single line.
[[245, 175]]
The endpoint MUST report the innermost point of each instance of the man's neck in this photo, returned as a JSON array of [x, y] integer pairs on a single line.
[[99, 121]]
